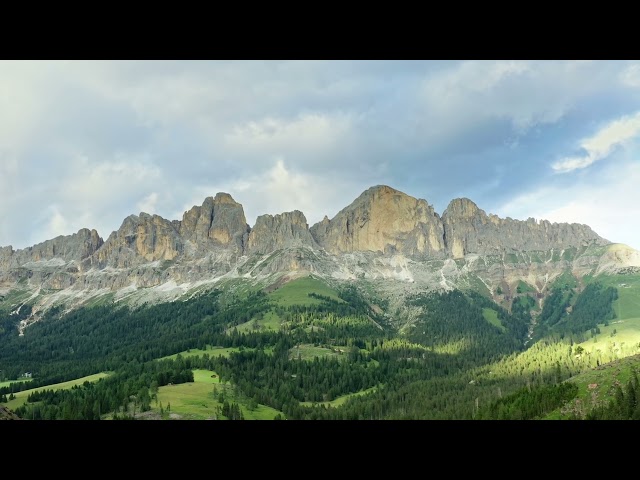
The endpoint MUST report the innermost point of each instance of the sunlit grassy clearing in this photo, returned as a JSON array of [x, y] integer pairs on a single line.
[[212, 351], [21, 397], [196, 400], [340, 400], [628, 303], [270, 321], [9, 382], [491, 316], [297, 292], [625, 340], [627, 322]]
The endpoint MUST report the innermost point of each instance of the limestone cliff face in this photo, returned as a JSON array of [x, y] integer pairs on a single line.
[[385, 220], [219, 221], [468, 229], [64, 248], [140, 239], [384, 233], [273, 232]]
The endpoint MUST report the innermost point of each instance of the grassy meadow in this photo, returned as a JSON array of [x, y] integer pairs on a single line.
[[296, 292], [597, 386], [270, 321], [212, 351], [309, 351], [622, 335], [9, 382], [197, 401], [491, 316]]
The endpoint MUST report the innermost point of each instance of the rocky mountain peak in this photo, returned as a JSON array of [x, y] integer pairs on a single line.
[[222, 197], [219, 220], [273, 232], [140, 239], [382, 190], [463, 209], [382, 219]]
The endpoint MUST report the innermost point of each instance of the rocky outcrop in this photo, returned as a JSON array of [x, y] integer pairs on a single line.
[[385, 220], [57, 251], [6, 414], [388, 221], [468, 229], [220, 221], [140, 239], [273, 232]]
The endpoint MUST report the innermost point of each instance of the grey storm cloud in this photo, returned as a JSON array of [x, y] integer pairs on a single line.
[[86, 143]]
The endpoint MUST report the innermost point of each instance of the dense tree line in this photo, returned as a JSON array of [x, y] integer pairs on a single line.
[[129, 390], [90, 340], [529, 403], [593, 306], [521, 311], [554, 309], [454, 320]]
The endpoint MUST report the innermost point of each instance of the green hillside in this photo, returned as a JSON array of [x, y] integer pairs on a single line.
[[304, 349], [597, 387]]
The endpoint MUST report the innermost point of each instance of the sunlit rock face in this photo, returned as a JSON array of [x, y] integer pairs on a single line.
[[385, 220]]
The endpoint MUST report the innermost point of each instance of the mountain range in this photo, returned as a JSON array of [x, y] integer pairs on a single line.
[[397, 242]]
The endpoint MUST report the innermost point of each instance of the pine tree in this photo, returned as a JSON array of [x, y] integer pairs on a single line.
[[630, 400]]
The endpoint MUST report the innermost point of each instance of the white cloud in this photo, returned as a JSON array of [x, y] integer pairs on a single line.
[[89, 194], [273, 136], [474, 76], [630, 76], [148, 203], [56, 225], [8, 172], [22, 103], [600, 145], [281, 189], [526, 93], [472, 90], [102, 181]]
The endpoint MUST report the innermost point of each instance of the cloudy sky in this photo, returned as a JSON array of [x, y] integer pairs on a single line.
[[84, 144]]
